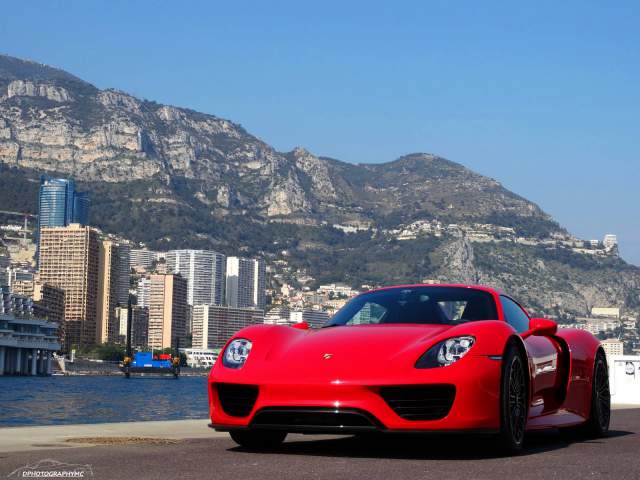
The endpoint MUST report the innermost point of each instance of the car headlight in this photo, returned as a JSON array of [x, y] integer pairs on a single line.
[[445, 353], [236, 353]]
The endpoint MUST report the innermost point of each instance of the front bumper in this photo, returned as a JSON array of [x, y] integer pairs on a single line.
[[475, 406]]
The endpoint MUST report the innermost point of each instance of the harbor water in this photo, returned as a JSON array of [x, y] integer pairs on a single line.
[[61, 400]]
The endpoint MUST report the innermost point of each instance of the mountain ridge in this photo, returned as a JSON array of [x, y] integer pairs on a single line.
[[134, 133], [175, 177]]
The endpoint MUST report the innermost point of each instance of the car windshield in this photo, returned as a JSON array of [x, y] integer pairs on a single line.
[[421, 305]]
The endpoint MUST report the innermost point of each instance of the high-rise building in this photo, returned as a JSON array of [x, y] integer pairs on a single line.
[[205, 273], [259, 284], [55, 202], [246, 281], [123, 273], [139, 325], [4, 270], [143, 292], [80, 208], [69, 260], [167, 311], [59, 205], [610, 240], [213, 325], [143, 258], [48, 301], [113, 288]]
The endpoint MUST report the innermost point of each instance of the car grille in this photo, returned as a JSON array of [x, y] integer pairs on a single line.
[[237, 400], [314, 419], [419, 402]]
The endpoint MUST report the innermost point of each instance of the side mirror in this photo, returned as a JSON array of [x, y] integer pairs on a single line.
[[301, 326], [541, 327]]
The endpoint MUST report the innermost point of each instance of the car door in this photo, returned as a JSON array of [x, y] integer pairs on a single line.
[[543, 354]]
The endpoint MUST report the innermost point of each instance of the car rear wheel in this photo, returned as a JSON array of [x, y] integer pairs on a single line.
[[598, 423], [258, 439], [513, 401]]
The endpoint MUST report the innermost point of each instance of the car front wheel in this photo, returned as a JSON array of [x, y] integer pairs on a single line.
[[513, 401]]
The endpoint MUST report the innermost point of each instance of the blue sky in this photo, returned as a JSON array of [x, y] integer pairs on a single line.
[[543, 96]]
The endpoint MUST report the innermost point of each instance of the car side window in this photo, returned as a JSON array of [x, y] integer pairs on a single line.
[[514, 315]]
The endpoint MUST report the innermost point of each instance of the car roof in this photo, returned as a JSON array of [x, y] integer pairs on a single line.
[[429, 285]]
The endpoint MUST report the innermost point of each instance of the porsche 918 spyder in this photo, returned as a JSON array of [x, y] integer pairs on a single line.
[[412, 358]]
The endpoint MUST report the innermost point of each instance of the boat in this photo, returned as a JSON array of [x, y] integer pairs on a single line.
[[148, 363]]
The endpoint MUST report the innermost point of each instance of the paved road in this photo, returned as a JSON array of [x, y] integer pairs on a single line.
[[548, 455]]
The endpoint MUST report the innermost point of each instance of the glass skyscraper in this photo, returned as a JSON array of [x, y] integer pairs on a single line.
[[60, 205], [55, 202], [80, 208]]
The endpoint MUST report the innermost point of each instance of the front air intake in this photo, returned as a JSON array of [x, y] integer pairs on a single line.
[[420, 402], [236, 400], [315, 420]]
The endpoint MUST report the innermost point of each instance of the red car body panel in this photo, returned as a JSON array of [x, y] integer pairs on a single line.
[[345, 368]]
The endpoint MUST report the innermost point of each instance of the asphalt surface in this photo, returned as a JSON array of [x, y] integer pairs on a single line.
[[547, 455]]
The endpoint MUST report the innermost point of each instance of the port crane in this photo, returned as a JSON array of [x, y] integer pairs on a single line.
[[25, 228]]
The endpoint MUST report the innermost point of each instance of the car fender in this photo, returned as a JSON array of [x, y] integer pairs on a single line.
[[583, 348]]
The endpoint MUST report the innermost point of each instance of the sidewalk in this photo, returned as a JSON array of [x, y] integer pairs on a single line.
[[17, 439]]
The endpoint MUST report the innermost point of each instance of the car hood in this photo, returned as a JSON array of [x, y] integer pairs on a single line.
[[348, 351]]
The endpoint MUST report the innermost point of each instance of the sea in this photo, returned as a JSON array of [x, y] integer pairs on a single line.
[[62, 400]]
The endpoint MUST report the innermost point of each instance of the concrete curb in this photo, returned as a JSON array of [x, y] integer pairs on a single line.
[[19, 439]]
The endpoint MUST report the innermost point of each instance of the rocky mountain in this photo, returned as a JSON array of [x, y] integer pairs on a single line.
[[171, 177]]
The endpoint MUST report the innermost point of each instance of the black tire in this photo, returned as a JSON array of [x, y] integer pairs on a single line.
[[514, 401], [258, 439], [600, 414]]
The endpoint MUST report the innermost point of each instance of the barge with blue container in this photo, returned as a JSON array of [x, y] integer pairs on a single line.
[[148, 363]]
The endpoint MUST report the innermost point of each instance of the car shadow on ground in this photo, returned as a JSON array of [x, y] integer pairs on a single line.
[[417, 447]]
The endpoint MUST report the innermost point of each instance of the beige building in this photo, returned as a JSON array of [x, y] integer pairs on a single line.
[[69, 260], [113, 287], [23, 287], [612, 346], [50, 301], [167, 311], [610, 312]]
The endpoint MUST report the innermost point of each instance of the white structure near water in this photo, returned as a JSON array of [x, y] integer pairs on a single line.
[[200, 357], [26, 345], [624, 379], [26, 342]]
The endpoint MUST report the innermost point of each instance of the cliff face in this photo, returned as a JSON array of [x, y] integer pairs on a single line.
[[52, 121], [173, 177]]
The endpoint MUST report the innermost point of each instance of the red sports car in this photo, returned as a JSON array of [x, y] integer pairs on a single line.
[[412, 358]]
